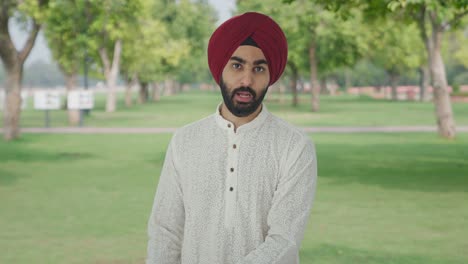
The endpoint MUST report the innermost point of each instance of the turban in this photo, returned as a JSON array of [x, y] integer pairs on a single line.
[[265, 32]]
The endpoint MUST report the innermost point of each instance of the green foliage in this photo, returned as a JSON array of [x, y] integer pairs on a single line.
[[174, 37], [148, 48], [460, 79], [77, 29], [461, 50], [339, 43], [33, 9], [65, 31], [191, 22], [395, 46]]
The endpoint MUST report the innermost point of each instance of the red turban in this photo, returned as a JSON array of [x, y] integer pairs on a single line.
[[262, 29]]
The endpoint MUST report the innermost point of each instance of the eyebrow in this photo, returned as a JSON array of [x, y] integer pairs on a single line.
[[242, 61]]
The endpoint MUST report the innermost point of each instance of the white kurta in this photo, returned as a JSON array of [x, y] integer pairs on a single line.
[[232, 197]]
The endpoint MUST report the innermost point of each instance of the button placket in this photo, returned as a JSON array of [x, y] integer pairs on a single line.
[[231, 177]]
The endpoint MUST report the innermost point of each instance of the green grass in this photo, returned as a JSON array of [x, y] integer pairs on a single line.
[[381, 198], [178, 110]]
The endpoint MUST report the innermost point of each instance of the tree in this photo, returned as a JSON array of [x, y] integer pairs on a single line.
[[194, 21], [65, 31], [109, 24], [324, 40], [191, 23], [434, 18], [163, 52], [441, 16], [32, 13], [394, 47]]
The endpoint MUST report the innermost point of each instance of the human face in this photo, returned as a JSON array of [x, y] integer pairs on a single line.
[[244, 81]]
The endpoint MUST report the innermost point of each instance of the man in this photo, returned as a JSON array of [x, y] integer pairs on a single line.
[[237, 186]]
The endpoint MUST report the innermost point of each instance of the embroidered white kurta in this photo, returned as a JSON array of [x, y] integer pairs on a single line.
[[229, 196]]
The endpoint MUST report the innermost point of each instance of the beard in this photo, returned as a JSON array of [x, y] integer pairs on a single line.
[[241, 109]]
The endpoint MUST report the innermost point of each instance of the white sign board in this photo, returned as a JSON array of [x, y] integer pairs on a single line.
[[24, 99], [46, 100], [82, 99]]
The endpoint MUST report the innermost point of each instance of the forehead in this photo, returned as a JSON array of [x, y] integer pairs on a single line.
[[249, 53]]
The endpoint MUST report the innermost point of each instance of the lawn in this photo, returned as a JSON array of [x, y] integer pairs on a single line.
[[343, 110], [381, 198]]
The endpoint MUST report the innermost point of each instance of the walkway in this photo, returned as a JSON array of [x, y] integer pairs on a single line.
[[157, 130]]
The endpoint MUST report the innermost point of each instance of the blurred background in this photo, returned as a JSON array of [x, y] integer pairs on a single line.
[[91, 91]]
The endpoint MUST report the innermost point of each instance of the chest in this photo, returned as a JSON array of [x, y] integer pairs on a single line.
[[247, 167]]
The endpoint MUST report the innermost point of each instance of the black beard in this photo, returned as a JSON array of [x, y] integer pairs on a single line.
[[241, 109]]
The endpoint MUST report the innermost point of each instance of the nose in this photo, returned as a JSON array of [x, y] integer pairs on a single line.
[[247, 79]]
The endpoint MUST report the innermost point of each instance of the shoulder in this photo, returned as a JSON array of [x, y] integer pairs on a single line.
[[286, 130], [193, 131], [293, 142]]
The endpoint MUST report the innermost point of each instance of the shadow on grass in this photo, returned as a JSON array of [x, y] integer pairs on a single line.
[[8, 177], [411, 166], [20, 153], [333, 254]]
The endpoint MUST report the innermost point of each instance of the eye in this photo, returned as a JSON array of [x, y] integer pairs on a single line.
[[259, 69], [236, 66]]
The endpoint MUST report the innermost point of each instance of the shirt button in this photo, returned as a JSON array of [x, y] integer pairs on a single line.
[[229, 125], [234, 146], [231, 189], [232, 169]]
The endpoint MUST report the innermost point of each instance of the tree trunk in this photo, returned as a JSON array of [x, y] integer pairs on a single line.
[[70, 84], [424, 81], [128, 94], [281, 89], [323, 86], [348, 81], [293, 83], [13, 61], [178, 87], [156, 92], [315, 87], [128, 90], [394, 84], [111, 71], [168, 87], [144, 93], [443, 105], [12, 107]]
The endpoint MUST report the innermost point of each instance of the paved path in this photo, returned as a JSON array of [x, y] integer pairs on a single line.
[[156, 130]]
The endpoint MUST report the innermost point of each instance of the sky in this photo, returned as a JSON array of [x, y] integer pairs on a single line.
[[41, 52]]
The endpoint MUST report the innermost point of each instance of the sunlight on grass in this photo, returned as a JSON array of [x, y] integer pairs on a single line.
[[381, 198]]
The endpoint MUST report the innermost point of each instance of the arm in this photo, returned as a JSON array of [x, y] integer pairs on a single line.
[[290, 210], [166, 223]]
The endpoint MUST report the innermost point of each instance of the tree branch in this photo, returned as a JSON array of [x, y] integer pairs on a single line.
[[105, 60], [7, 48], [23, 54], [117, 52], [455, 19]]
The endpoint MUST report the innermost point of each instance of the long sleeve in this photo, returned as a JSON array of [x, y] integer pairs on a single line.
[[166, 222], [290, 209]]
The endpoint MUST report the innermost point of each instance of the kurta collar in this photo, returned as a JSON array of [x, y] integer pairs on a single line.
[[227, 125]]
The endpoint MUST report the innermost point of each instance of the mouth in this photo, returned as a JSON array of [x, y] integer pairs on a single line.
[[243, 97]]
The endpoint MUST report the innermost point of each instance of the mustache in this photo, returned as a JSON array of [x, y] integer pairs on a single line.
[[244, 89]]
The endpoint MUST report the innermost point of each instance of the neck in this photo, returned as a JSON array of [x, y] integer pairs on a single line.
[[238, 121]]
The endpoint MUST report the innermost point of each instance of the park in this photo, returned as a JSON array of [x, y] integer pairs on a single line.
[[390, 127]]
